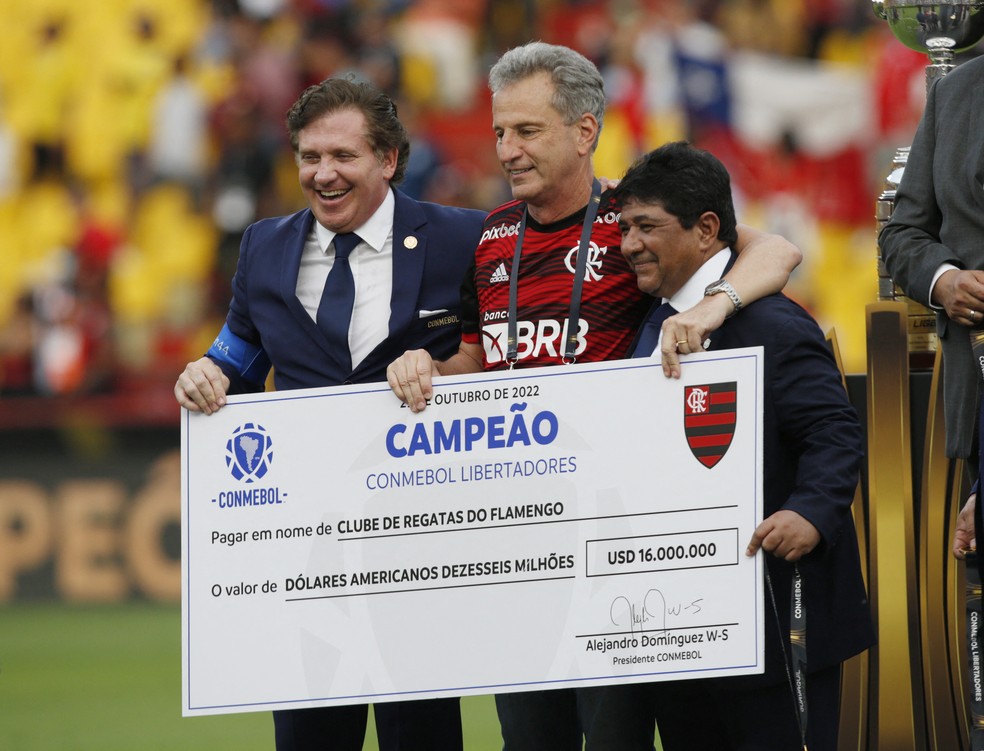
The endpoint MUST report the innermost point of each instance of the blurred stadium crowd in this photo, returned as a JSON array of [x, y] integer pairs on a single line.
[[139, 138]]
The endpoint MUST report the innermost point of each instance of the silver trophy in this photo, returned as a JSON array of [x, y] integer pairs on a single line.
[[940, 30]]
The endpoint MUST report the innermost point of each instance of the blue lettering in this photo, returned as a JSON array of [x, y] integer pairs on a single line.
[[390, 441], [544, 438], [496, 427], [518, 432], [445, 440], [474, 430], [419, 443]]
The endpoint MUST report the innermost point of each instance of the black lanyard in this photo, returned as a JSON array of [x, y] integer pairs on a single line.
[[975, 694], [573, 319], [795, 662]]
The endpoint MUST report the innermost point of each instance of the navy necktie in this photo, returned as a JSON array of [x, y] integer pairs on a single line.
[[648, 336], [338, 299]]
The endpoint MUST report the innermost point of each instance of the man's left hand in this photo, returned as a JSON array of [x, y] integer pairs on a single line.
[[786, 535], [964, 536], [961, 294]]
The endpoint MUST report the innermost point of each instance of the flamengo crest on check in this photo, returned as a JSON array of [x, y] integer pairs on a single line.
[[709, 420]]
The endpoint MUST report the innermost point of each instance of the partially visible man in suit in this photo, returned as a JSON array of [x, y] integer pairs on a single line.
[[332, 295], [934, 249], [678, 224]]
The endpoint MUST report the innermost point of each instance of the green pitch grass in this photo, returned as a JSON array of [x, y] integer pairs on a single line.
[[108, 678]]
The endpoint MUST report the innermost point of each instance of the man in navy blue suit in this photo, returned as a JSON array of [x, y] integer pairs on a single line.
[[678, 224], [332, 295]]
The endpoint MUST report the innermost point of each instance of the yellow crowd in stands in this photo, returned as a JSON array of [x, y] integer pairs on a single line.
[[85, 75]]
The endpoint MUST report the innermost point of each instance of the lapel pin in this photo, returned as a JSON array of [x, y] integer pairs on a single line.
[[410, 242]]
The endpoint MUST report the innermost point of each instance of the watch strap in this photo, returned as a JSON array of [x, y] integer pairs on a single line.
[[723, 285]]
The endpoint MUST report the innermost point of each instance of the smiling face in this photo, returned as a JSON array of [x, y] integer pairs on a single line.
[[342, 178], [660, 251], [547, 162]]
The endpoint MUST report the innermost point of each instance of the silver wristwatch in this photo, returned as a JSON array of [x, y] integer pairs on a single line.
[[723, 285]]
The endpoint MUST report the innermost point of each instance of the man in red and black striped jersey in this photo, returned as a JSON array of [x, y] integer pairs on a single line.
[[549, 263], [611, 305], [548, 105]]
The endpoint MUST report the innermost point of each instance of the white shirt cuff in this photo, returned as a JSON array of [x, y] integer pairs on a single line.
[[944, 267]]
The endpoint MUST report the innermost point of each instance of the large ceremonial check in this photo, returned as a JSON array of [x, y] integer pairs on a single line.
[[531, 529]]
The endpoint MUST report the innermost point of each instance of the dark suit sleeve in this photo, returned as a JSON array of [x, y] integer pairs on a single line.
[[469, 304], [818, 429], [910, 242], [238, 350]]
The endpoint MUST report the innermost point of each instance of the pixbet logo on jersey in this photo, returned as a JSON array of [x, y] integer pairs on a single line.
[[543, 338]]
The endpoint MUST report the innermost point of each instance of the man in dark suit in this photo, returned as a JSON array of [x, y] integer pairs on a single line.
[[934, 249], [678, 224], [332, 295]]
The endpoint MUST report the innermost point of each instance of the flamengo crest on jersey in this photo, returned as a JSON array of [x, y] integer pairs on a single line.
[[592, 267]]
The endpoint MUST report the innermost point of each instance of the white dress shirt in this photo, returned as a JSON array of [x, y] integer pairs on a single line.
[[372, 270], [692, 291]]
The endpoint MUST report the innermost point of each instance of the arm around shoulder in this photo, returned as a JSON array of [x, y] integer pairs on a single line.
[[765, 262], [762, 268]]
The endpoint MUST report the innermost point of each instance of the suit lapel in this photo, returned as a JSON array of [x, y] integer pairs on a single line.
[[291, 266], [409, 252], [976, 146], [289, 269]]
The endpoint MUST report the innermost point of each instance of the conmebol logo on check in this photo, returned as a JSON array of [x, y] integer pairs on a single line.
[[709, 420], [249, 452]]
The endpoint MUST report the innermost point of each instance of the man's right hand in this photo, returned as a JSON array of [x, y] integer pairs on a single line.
[[961, 293], [686, 332], [201, 387], [410, 378]]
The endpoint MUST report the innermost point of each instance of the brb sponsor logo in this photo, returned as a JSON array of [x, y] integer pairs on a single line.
[[543, 338], [248, 456]]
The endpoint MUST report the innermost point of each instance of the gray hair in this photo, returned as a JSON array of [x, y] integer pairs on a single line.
[[578, 86]]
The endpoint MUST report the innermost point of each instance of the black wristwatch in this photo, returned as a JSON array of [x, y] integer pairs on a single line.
[[723, 285]]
